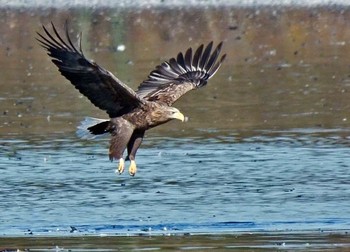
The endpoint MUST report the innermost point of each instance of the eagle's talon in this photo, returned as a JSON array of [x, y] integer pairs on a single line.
[[120, 169], [132, 168]]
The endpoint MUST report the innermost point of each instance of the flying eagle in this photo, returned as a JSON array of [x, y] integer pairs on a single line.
[[131, 112]]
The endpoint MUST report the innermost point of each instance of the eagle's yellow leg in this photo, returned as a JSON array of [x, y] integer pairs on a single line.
[[132, 168], [120, 166]]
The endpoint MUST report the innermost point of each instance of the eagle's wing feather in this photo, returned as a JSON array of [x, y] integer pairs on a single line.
[[173, 78], [100, 86]]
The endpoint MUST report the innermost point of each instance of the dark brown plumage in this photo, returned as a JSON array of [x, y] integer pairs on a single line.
[[131, 112]]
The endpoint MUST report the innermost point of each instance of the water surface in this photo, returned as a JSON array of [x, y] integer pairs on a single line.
[[266, 148]]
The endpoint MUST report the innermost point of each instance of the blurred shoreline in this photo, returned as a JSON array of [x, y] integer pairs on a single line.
[[215, 242], [167, 3]]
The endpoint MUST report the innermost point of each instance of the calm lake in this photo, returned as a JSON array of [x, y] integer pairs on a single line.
[[263, 157]]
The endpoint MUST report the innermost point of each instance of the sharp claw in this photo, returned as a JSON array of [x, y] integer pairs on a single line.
[[132, 168], [120, 166]]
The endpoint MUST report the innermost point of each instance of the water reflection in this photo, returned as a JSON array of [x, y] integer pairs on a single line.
[[286, 68]]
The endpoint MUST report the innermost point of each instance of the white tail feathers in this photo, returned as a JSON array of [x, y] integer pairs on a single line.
[[82, 129]]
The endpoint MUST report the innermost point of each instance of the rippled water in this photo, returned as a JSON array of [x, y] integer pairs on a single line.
[[183, 185]]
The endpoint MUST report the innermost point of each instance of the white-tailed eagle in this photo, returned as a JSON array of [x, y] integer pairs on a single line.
[[131, 112]]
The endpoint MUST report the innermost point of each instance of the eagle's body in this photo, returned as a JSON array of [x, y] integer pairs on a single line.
[[132, 112]]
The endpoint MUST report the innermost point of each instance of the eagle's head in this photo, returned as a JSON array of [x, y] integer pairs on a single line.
[[163, 114], [174, 113]]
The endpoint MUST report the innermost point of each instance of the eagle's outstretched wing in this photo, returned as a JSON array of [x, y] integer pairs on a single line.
[[173, 78], [100, 86]]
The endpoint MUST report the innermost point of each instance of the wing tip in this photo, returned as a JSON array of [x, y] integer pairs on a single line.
[[206, 61], [54, 40]]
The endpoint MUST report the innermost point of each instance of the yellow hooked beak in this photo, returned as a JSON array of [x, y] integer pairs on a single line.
[[179, 116]]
